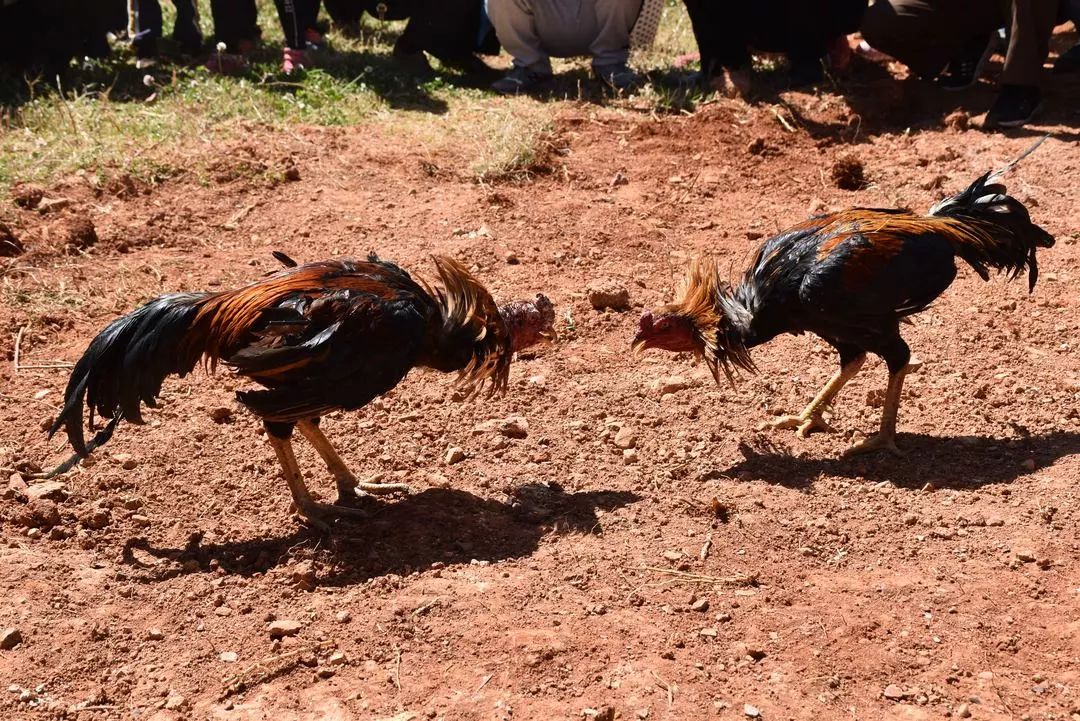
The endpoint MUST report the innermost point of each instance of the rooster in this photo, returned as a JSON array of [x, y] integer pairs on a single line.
[[319, 337], [849, 277]]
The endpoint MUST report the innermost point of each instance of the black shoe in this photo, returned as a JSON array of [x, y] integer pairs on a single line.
[[964, 69], [1015, 106], [1068, 61]]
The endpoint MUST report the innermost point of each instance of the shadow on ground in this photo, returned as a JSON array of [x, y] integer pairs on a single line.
[[961, 463], [438, 525]]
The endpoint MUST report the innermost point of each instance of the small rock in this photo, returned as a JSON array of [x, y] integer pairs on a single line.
[[175, 701], [629, 457], [454, 455], [511, 427], [337, 658], [156, 634], [126, 460], [95, 519], [40, 513], [1025, 555], [910, 519], [670, 384], [76, 233], [10, 638], [284, 627], [221, 414], [50, 490], [957, 120], [1028, 465], [751, 710], [511, 258], [963, 711], [228, 656], [701, 605], [894, 692], [16, 487], [292, 174], [608, 294], [46, 205], [343, 616], [673, 555], [303, 576], [708, 633], [140, 520], [625, 438]]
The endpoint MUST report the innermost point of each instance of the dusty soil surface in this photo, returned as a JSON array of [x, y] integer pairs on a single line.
[[638, 554]]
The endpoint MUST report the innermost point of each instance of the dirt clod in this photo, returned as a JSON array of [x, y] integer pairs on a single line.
[[10, 638], [75, 233], [27, 195], [608, 294], [40, 513], [10, 245], [848, 174], [284, 627]]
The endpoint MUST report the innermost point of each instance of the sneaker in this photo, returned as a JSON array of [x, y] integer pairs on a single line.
[[964, 69], [415, 64], [314, 39], [293, 60], [518, 80], [617, 76], [1016, 105], [1068, 61]]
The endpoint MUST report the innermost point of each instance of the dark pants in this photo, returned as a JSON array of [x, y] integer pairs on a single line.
[[235, 22], [297, 16], [148, 26], [448, 29], [802, 29], [925, 34]]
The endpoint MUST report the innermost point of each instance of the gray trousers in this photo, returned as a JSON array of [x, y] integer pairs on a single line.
[[533, 31]]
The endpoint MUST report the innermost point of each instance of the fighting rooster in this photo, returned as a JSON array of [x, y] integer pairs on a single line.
[[318, 337], [850, 278]]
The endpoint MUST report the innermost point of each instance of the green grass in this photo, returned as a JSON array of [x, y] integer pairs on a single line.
[[109, 117]]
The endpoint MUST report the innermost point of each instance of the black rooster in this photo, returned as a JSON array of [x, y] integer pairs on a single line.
[[319, 337], [850, 278]]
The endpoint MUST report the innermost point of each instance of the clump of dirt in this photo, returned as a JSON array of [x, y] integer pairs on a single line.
[[10, 245], [27, 195], [848, 174], [958, 120], [121, 186], [74, 233]]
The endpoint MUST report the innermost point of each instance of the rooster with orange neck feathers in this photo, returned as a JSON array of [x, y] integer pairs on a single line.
[[850, 278], [318, 337]]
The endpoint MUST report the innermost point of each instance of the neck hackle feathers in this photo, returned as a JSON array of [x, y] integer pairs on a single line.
[[469, 315], [708, 302]]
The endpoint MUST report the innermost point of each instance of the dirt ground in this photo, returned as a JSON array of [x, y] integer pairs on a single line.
[[638, 554]]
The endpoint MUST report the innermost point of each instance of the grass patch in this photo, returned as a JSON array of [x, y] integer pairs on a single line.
[[107, 117]]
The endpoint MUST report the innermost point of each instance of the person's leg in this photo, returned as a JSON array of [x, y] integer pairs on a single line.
[[614, 21], [292, 24], [186, 30], [926, 34], [147, 27], [515, 25], [720, 34], [1032, 24]]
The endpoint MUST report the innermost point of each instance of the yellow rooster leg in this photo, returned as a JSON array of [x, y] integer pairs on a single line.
[[347, 485], [309, 510], [811, 419], [885, 440]]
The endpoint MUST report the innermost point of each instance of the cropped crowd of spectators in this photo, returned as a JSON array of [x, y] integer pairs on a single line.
[[947, 42]]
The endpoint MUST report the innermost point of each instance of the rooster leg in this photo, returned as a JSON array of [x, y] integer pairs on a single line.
[[347, 485], [309, 510], [885, 440], [811, 419]]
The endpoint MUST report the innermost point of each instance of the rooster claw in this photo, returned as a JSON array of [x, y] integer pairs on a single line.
[[804, 425], [874, 444], [350, 488], [314, 514]]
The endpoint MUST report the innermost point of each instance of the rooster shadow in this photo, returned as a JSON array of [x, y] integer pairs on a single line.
[[964, 463], [438, 525]]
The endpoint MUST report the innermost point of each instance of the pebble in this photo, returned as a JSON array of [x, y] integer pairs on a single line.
[[221, 414], [16, 487], [894, 692], [50, 490], [963, 711], [608, 294], [140, 520], [707, 632], [96, 519], [228, 656], [454, 455], [670, 385], [155, 634], [511, 427], [673, 555], [343, 616], [625, 438], [175, 701], [511, 258], [284, 627], [126, 460], [701, 605], [336, 659], [1025, 555], [751, 710], [38, 513], [10, 638]]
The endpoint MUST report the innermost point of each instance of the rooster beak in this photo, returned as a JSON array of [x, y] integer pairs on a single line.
[[639, 345]]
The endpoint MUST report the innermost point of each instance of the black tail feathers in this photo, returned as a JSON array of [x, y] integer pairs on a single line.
[[997, 229], [124, 366]]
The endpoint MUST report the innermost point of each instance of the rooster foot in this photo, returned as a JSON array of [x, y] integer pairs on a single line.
[[805, 424], [314, 514], [350, 488], [874, 444]]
